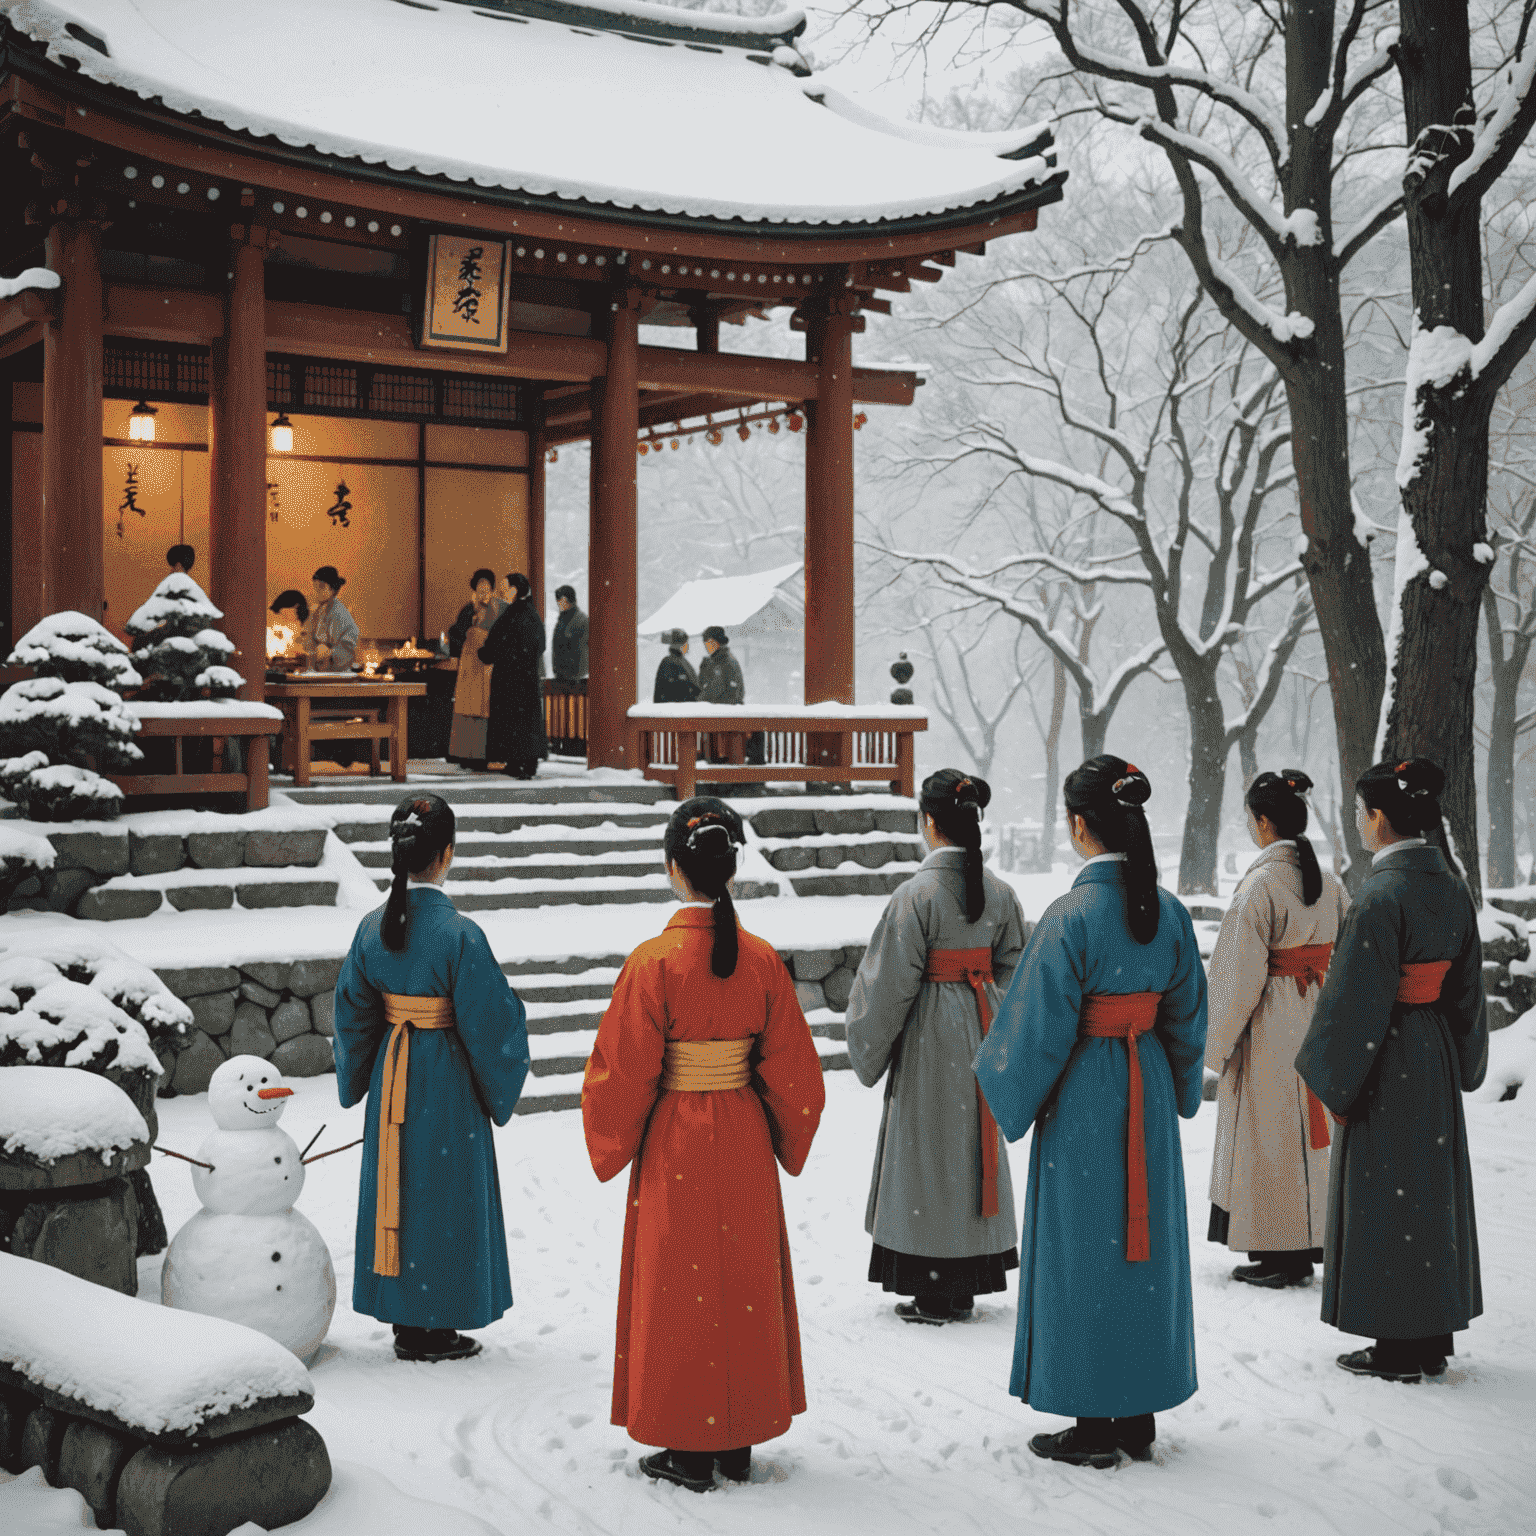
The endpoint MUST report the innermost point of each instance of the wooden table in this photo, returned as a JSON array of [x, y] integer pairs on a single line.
[[253, 730], [320, 710]]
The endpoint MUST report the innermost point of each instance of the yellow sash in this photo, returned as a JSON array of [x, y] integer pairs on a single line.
[[405, 1014], [706, 1066]]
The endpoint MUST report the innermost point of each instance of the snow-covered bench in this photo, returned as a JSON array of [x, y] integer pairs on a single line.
[[164, 1421], [228, 719]]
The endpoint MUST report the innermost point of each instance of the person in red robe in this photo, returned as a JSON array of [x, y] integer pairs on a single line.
[[704, 1071]]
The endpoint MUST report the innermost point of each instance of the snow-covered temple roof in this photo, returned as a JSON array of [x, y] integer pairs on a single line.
[[618, 105], [760, 603]]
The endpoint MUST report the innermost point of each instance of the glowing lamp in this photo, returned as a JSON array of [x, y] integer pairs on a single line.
[[141, 423], [282, 434]]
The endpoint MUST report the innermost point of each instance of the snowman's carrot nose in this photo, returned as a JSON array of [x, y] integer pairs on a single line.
[[274, 1093]]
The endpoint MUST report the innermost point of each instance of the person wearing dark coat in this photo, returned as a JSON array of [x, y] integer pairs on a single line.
[[514, 647], [568, 645], [1399, 1034], [720, 679], [676, 681]]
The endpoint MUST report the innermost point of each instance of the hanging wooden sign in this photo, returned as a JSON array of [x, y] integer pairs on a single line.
[[466, 294]]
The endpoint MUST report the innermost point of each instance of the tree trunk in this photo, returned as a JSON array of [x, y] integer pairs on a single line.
[[1338, 565], [1506, 665], [1045, 852], [1248, 754], [1094, 725], [1207, 781], [1435, 661]]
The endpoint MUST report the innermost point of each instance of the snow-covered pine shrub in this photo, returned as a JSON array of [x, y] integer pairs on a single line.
[[57, 727], [22, 855], [176, 647]]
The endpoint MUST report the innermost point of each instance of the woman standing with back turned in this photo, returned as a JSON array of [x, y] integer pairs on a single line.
[[1098, 1045], [704, 1070], [1400, 1033], [1269, 1170], [941, 1201]]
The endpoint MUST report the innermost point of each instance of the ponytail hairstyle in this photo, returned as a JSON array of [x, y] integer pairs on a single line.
[[1279, 797], [955, 801], [701, 840], [1409, 793], [419, 830], [1108, 793]]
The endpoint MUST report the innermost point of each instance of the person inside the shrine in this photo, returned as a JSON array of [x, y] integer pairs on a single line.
[[181, 558], [940, 1211], [703, 1072], [472, 687], [330, 635], [291, 610], [676, 681], [1269, 1170], [1400, 1032], [1099, 1045], [430, 1032]]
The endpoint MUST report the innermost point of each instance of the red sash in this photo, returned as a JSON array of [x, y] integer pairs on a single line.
[[974, 968], [1419, 984], [1308, 963], [1125, 1016]]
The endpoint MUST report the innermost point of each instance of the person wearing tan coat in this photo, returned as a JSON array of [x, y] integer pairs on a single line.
[[1269, 1168]]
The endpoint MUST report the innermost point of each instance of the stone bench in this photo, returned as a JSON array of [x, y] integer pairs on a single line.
[[163, 1421]]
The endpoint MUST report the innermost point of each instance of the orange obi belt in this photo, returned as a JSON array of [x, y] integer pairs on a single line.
[[405, 1014], [1308, 963], [707, 1066], [1418, 985], [973, 967], [1126, 1016]]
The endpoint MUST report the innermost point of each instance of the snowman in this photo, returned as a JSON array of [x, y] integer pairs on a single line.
[[248, 1256]]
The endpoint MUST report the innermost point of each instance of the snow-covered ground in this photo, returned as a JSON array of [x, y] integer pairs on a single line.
[[908, 1430]]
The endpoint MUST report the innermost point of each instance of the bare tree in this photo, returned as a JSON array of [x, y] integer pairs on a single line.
[[1456, 369], [1202, 88]]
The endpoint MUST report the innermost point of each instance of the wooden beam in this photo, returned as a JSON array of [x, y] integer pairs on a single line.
[[205, 149], [924, 274]]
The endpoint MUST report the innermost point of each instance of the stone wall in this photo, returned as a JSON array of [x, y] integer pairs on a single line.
[[1507, 980], [282, 1010], [823, 977]]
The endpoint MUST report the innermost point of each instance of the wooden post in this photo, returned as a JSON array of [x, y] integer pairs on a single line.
[[237, 463], [829, 643], [72, 572], [613, 543], [536, 452]]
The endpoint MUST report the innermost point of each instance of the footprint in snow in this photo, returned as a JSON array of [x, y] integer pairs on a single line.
[[1455, 1482], [578, 1420]]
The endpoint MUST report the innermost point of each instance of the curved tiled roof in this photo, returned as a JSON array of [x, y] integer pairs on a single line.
[[619, 106]]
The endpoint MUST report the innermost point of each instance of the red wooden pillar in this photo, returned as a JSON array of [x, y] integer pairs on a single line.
[[829, 644], [237, 464], [612, 551], [536, 451], [72, 574]]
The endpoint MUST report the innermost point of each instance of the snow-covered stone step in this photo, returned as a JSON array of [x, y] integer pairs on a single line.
[[356, 824], [489, 791], [565, 1052], [553, 987], [500, 895], [557, 866], [564, 965], [552, 1017], [852, 880], [552, 840]]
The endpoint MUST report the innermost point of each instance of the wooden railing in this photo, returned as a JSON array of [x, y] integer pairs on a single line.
[[220, 778], [777, 745], [565, 715]]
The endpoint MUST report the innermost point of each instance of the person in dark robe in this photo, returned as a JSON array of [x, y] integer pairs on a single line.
[[940, 1213], [181, 558], [676, 681], [1098, 1045], [472, 685], [430, 1031], [514, 647], [1399, 1034], [568, 646], [704, 1072], [291, 609], [720, 679]]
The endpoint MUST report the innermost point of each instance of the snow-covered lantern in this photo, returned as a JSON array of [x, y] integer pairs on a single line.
[[282, 434], [901, 670], [141, 423]]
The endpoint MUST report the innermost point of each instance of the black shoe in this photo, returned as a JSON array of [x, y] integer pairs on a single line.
[[1142, 1452], [1434, 1367], [1362, 1362], [1272, 1279], [913, 1312], [736, 1465], [666, 1468], [430, 1345], [1071, 1446]]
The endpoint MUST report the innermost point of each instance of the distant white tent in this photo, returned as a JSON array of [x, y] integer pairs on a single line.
[[747, 607]]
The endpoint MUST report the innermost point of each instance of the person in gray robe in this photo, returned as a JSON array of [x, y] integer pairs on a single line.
[[940, 1209], [330, 635], [1399, 1034]]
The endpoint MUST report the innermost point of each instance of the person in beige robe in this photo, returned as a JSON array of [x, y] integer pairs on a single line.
[[1269, 1168], [472, 688]]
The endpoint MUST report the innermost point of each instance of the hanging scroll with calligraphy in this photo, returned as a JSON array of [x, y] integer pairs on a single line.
[[466, 297]]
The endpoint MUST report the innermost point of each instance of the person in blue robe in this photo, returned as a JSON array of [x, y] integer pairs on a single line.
[[1104, 1335], [1400, 1032], [423, 1007]]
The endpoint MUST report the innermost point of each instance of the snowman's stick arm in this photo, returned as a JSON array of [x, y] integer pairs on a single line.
[[183, 1156], [334, 1150], [312, 1140]]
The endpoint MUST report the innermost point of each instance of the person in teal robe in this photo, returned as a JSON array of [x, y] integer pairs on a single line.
[[453, 1271], [1101, 1338]]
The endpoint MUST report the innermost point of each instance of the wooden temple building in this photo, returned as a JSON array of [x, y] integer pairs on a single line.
[[420, 238]]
